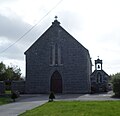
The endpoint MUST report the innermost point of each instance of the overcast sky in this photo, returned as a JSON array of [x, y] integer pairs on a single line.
[[94, 23]]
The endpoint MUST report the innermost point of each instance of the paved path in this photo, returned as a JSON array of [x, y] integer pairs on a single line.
[[14, 109], [21, 105], [27, 102]]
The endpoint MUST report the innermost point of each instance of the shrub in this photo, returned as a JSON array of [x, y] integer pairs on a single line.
[[51, 97], [116, 84], [14, 95]]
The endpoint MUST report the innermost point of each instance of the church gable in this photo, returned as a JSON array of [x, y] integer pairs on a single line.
[[57, 42], [55, 34], [56, 52]]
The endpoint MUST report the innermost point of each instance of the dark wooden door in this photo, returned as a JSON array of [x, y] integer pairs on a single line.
[[56, 82]]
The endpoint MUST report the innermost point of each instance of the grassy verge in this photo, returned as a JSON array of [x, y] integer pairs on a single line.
[[7, 92], [76, 108], [4, 100]]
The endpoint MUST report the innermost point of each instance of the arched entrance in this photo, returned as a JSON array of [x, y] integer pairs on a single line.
[[56, 82]]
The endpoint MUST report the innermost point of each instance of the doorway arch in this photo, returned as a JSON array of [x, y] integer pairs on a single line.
[[56, 82]]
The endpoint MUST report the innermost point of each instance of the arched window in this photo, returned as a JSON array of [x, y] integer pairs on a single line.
[[55, 55], [99, 78]]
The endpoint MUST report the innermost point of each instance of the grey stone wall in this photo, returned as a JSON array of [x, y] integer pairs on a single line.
[[2, 87], [18, 86], [99, 86], [75, 67]]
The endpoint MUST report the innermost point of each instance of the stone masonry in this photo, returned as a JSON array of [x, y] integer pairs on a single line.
[[2, 87], [18, 86], [57, 50]]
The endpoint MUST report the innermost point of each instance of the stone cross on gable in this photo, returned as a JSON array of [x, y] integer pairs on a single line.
[[56, 17]]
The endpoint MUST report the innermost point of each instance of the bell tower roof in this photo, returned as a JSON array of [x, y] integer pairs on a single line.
[[98, 61], [98, 64]]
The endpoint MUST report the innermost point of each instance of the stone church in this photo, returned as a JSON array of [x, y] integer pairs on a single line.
[[57, 62], [99, 78]]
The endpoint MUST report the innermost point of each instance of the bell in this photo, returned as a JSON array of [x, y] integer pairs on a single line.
[[98, 66]]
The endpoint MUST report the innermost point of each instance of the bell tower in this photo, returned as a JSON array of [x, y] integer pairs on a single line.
[[98, 64]]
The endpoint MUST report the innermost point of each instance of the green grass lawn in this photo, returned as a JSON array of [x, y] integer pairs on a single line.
[[76, 108], [7, 92], [4, 100]]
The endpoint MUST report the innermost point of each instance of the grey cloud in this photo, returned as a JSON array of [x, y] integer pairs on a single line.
[[13, 52], [12, 28]]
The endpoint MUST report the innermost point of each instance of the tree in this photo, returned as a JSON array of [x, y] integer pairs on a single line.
[[16, 73], [9, 73], [116, 84], [2, 71]]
